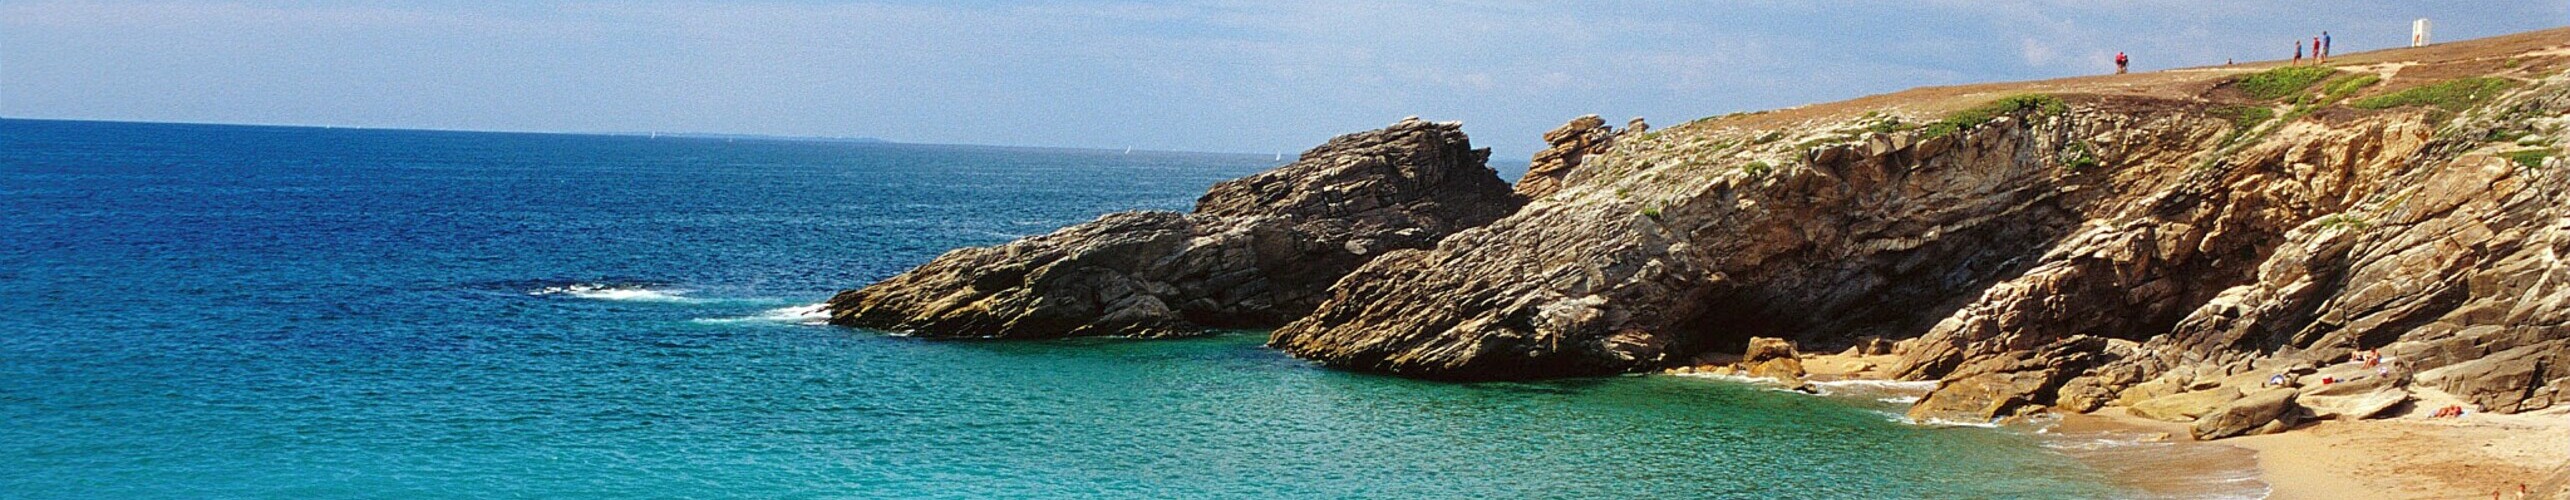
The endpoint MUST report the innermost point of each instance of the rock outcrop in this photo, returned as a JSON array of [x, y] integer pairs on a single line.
[[2101, 241], [1256, 252], [1567, 147]]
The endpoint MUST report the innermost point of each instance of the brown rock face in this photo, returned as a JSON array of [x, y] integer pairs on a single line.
[[2113, 244], [1258, 250], [1569, 146]]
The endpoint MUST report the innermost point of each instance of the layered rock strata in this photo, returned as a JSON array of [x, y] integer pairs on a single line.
[[1256, 252], [2066, 244]]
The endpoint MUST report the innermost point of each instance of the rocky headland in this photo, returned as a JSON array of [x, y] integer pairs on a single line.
[[2240, 250], [1257, 251]]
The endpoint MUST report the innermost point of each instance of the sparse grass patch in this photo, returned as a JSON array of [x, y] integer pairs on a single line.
[[2245, 117], [2345, 221], [2077, 157], [1652, 212], [2282, 82], [2531, 158], [1966, 119], [1757, 169], [2452, 96]]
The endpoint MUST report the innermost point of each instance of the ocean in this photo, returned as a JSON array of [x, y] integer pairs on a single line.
[[210, 311]]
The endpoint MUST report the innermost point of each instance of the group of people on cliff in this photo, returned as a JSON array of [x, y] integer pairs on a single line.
[[2319, 46]]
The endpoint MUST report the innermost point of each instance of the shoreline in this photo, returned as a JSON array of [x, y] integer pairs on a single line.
[[2405, 455]]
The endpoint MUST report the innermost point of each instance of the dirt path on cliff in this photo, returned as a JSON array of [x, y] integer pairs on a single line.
[[2534, 52]]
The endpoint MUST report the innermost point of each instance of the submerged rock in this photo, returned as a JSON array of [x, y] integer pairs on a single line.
[[1257, 251]]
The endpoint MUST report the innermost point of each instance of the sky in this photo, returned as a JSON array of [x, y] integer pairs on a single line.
[[1227, 76]]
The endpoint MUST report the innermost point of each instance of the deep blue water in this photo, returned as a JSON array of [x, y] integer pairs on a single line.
[[225, 311]]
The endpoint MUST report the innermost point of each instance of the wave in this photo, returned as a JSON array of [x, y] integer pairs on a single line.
[[811, 314], [622, 293]]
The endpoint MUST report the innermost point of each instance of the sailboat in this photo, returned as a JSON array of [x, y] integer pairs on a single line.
[[1128, 150]]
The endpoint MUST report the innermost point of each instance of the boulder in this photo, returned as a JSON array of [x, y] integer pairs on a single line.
[[1762, 349], [2184, 407], [1788, 370], [2355, 399], [1258, 251], [2244, 415], [1982, 397]]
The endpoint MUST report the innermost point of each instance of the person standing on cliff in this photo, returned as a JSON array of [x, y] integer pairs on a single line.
[[2121, 62], [2297, 52], [2325, 46], [2316, 58]]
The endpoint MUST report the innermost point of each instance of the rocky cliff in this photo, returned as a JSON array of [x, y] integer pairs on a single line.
[[1256, 252], [2066, 243]]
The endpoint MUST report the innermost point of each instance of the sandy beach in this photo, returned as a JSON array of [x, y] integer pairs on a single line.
[[2404, 456], [2407, 456]]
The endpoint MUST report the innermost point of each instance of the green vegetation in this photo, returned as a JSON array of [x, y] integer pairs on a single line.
[[2282, 82], [2348, 86], [1652, 212], [2078, 157], [1757, 169], [1966, 119], [2345, 221], [1883, 123], [2531, 158], [2453, 96], [2245, 117]]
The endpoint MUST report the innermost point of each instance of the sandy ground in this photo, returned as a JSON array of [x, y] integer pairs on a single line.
[[2409, 456]]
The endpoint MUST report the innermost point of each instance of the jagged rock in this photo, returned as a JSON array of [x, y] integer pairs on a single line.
[[1875, 346], [2520, 379], [2005, 386], [2243, 415], [1636, 126], [2184, 407], [1257, 251], [1567, 148]]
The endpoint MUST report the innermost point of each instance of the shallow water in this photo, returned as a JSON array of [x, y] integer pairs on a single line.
[[223, 311]]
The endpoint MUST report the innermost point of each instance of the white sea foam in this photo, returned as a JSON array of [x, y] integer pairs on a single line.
[[1886, 385], [623, 293], [812, 314]]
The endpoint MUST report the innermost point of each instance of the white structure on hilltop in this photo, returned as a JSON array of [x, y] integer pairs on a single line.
[[2418, 33]]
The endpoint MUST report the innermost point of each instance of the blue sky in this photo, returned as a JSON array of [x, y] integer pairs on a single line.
[[1249, 76]]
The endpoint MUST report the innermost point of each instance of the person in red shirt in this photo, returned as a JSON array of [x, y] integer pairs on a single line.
[[2121, 62]]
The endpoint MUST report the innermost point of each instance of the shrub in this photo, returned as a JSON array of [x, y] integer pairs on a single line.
[[2282, 82], [2454, 96], [1966, 119]]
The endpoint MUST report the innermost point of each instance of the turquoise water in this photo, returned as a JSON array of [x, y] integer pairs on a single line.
[[218, 311]]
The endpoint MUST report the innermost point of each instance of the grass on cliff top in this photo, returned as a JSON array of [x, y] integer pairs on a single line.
[[2282, 82], [1966, 119], [2453, 96]]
